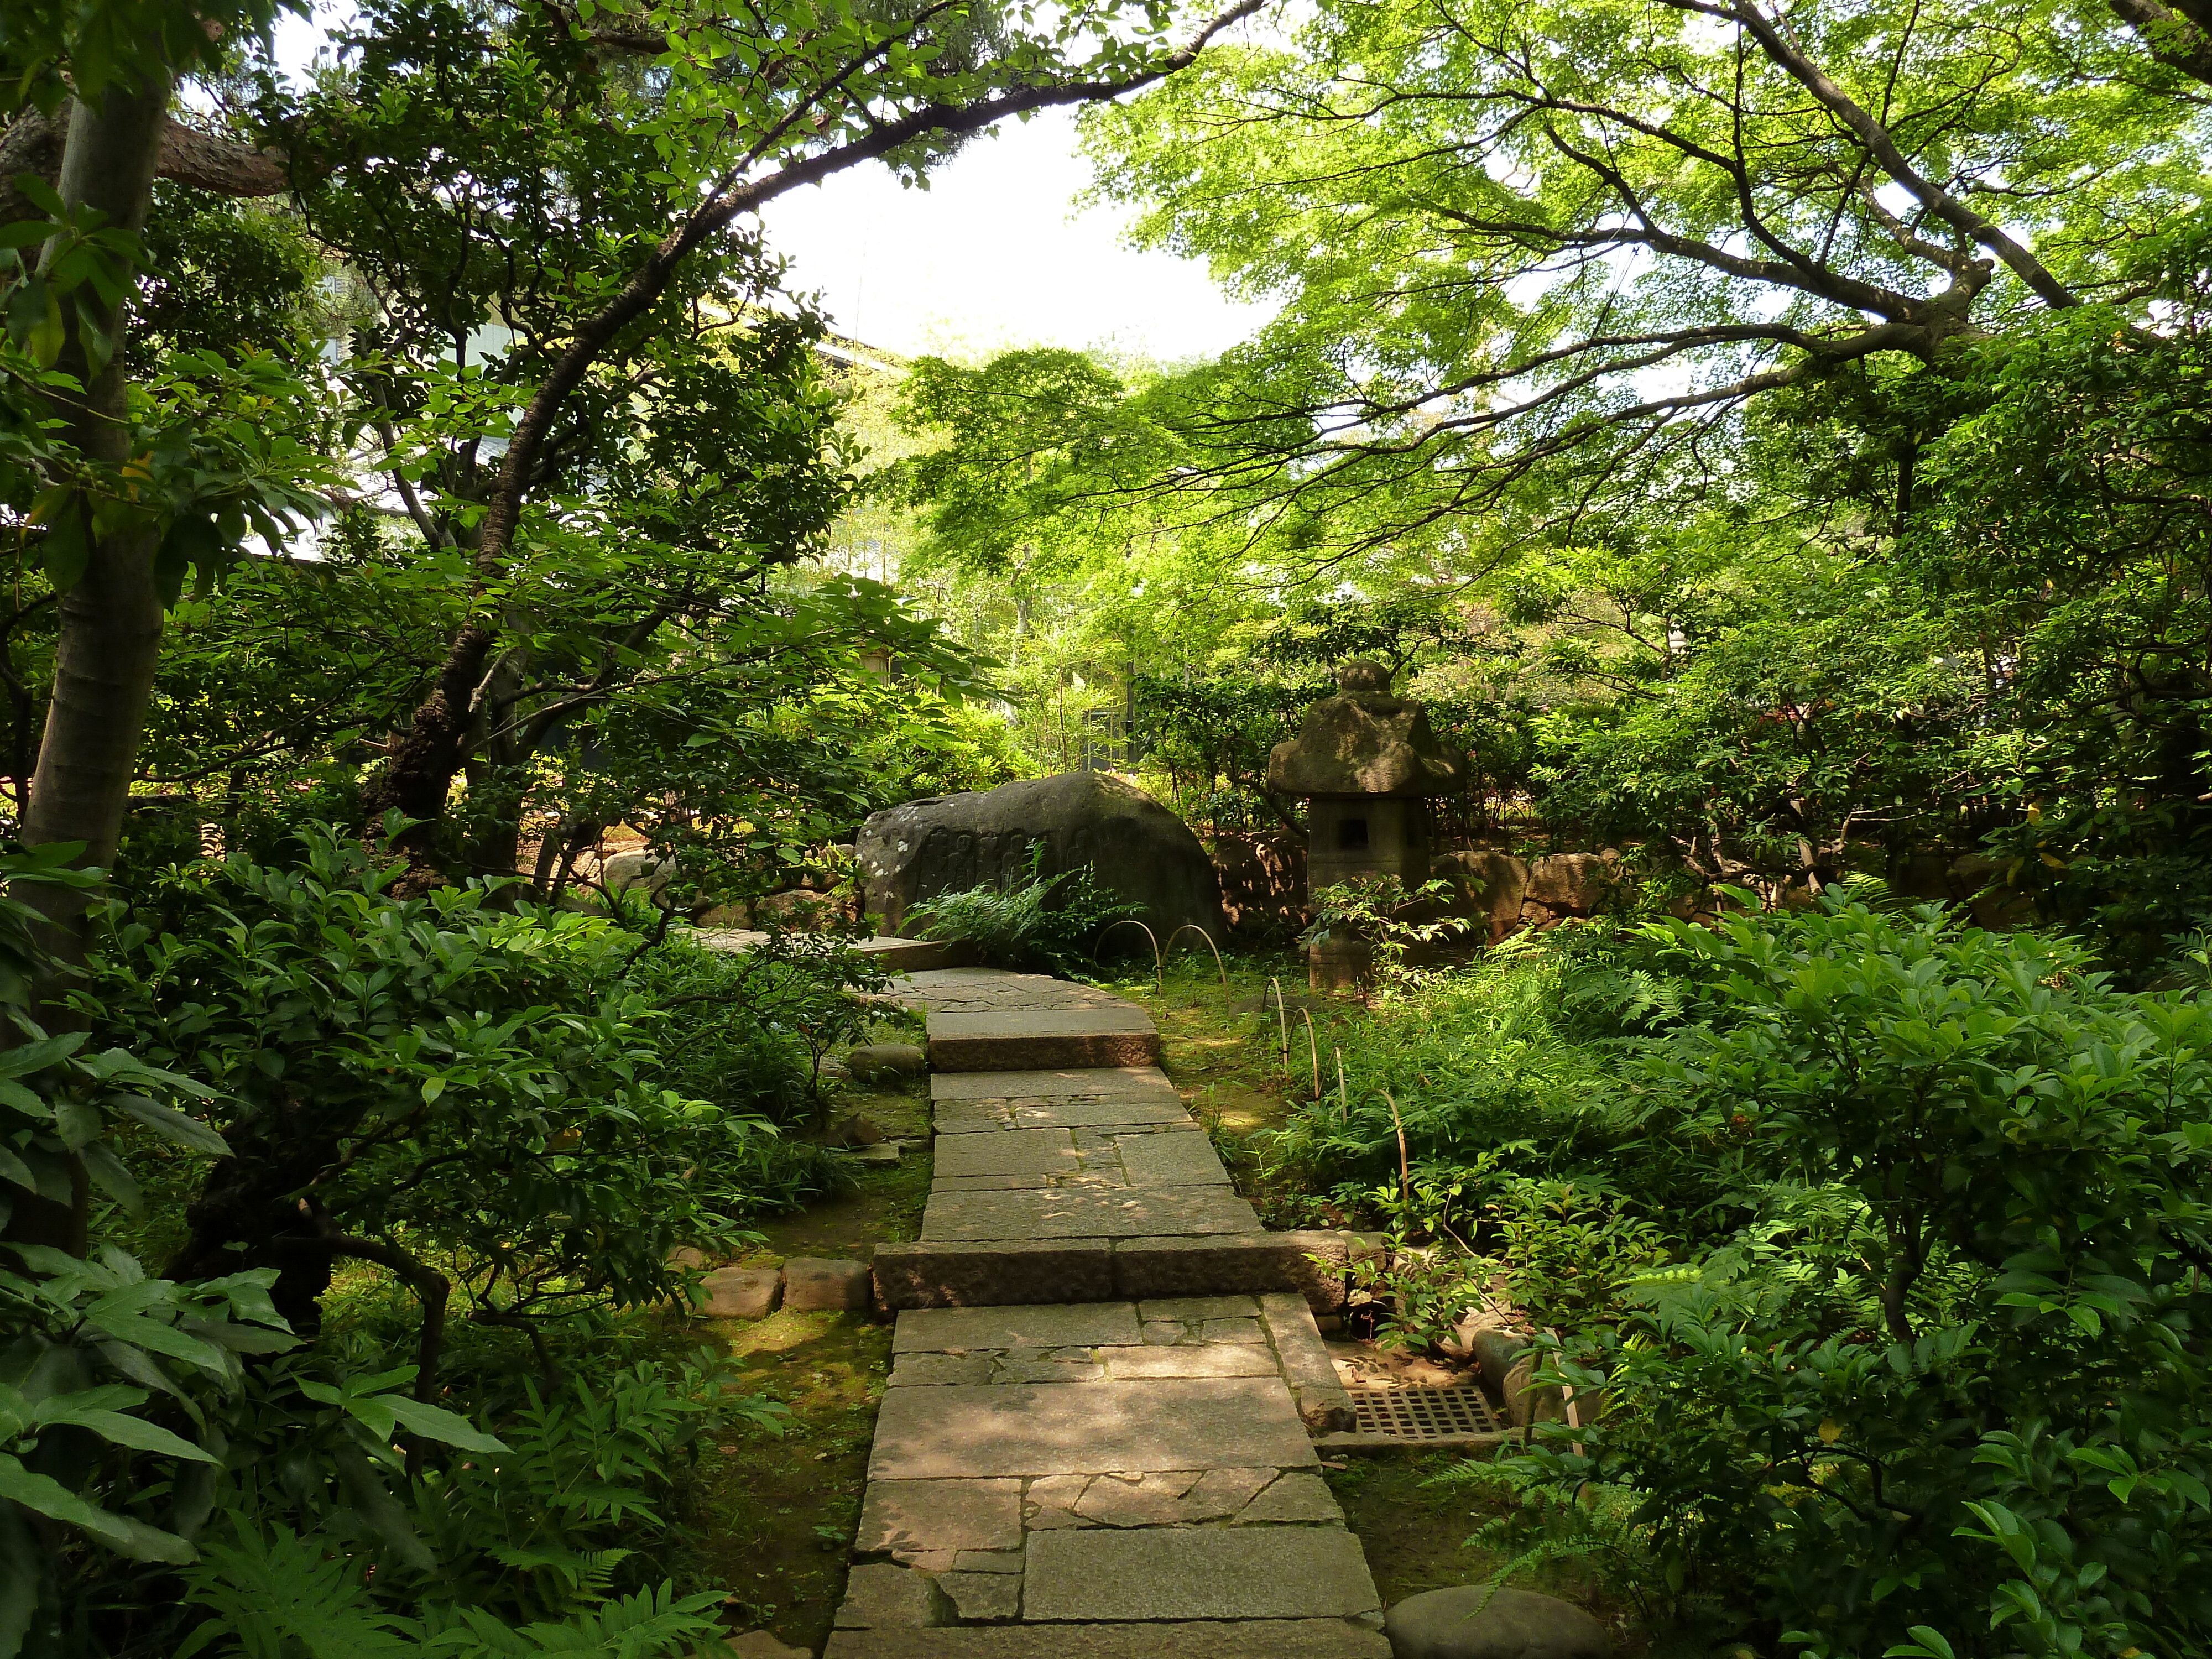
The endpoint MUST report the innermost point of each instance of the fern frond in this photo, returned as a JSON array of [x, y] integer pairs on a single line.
[[275, 1596]]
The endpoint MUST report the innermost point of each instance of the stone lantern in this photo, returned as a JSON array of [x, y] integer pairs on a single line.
[[1367, 764]]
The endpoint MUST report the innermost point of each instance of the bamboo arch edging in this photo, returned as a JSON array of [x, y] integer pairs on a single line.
[[1282, 1020], [1159, 970]]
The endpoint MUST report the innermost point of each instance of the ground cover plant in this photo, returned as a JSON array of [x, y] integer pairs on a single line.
[[1878, 1236], [296, 1332]]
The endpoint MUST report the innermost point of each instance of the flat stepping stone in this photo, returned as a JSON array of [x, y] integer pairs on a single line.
[[1056, 1083], [1037, 1153], [1051, 1325], [1088, 1428], [1108, 1112], [1161, 1211], [1162, 1155], [984, 989], [1276, 1572], [1269, 1639], [1027, 1039]]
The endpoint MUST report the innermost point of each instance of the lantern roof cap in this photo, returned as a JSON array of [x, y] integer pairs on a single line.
[[1364, 741]]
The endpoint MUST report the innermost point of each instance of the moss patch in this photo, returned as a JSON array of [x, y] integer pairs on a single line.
[[772, 1518]]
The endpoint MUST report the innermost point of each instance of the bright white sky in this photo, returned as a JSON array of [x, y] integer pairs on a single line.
[[993, 254], [996, 254]]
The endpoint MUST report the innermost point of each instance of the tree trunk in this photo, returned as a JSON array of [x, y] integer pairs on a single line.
[[110, 619]]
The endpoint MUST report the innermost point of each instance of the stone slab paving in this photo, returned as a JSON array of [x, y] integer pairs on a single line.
[[1105, 1463], [982, 1020], [1098, 1434], [1081, 1212]]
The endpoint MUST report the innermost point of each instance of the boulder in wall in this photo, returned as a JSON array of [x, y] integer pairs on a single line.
[[1136, 848]]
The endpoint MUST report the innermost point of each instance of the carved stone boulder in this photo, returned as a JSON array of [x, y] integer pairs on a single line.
[[1135, 847]]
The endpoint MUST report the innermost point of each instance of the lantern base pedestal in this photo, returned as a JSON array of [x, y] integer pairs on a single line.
[[1338, 964]]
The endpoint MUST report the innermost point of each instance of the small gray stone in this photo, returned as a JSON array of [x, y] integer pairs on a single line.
[[855, 1131], [1198, 1307], [1215, 1495], [1230, 1330], [1475, 1621], [983, 1597], [741, 1292], [1051, 1502], [757, 1644], [1030, 1365], [1163, 1334], [1151, 1500], [989, 1561], [873, 1061], [818, 1285], [1225, 1359], [885, 1597]]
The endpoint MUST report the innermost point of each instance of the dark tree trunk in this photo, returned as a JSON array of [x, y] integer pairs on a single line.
[[111, 618]]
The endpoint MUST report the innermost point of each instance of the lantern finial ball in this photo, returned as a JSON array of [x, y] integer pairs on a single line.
[[1362, 674]]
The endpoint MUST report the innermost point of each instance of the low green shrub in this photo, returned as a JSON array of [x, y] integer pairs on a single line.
[[1879, 1242], [465, 1098]]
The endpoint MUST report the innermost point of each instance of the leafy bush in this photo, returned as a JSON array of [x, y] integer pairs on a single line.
[[1958, 1404], [158, 1493], [1382, 913], [1046, 922], [436, 1075], [748, 1029], [1881, 1240]]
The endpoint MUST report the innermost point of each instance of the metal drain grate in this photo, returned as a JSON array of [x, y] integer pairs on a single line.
[[1414, 1413]]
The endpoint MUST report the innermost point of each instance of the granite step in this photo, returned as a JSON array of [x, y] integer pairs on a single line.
[[1242, 1638], [1098, 1434], [1144, 1464], [982, 1020], [1020, 1039]]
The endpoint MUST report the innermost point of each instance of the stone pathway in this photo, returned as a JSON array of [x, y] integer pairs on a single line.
[[1096, 1437]]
